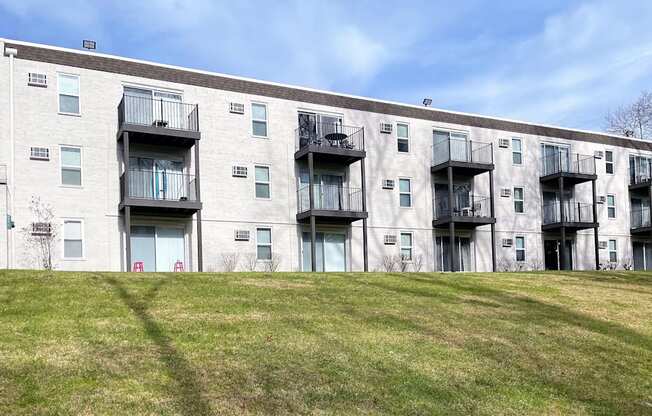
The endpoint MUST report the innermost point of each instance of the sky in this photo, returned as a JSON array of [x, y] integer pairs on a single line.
[[556, 62]]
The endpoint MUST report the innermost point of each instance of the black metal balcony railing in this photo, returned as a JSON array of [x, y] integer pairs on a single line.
[[562, 162], [330, 197], [462, 150], [464, 205], [640, 171], [330, 135], [159, 185], [640, 218], [573, 212], [146, 111]]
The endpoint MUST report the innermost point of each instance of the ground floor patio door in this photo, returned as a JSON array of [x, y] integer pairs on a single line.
[[642, 255], [330, 252], [159, 248], [551, 252], [462, 249]]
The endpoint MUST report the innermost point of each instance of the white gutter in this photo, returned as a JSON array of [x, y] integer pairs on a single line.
[[11, 53]]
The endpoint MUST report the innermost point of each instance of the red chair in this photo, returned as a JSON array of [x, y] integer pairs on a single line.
[[139, 266], [178, 266]]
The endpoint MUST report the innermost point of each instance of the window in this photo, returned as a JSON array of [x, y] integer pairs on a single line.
[[403, 135], [71, 166], [68, 94], [613, 252], [72, 239], [259, 120], [609, 162], [517, 151], [519, 200], [520, 248], [262, 182], [406, 246], [611, 206], [264, 244], [405, 192]]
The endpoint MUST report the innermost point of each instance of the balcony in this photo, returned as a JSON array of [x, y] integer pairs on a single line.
[[464, 156], [158, 121], [160, 192], [469, 211], [333, 204], [577, 216], [330, 142], [573, 167], [640, 221], [640, 174]]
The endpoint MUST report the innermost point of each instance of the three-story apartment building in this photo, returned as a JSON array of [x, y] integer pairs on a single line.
[[161, 168]]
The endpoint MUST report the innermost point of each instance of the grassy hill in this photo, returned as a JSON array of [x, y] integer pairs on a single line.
[[293, 343]]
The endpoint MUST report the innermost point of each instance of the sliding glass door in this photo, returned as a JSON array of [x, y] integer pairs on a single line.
[[330, 252], [463, 251], [158, 248]]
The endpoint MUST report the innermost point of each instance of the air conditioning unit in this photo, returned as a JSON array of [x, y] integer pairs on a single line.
[[239, 171], [386, 128], [602, 245], [599, 154], [602, 199], [37, 80], [506, 192], [41, 228], [508, 242], [241, 235], [388, 183], [236, 108], [503, 143], [467, 212], [390, 240], [39, 153]]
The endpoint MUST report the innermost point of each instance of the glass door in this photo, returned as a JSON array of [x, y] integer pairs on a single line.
[[555, 158], [330, 252], [169, 248], [167, 111], [138, 106], [463, 251], [143, 247]]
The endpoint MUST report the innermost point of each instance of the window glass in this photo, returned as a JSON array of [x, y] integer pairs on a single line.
[[264, 244], [405, 192], [519, 200], [406, 246], [609, 161], [517, 154], [262, 182], [611, 206], [72, 243], [520, 248], [68, 93], [259, 119], [70, 166]]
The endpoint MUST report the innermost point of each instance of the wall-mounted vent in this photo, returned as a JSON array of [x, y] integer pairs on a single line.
[[602, 199], [504, 143], [599, 154], [508, 242], [39, 153], [37, 80], [390, 240], [602, 245], [236, 108], [505, 192], [386, 128], [241, 235], [41, 228], [239, 171], [388, 183]]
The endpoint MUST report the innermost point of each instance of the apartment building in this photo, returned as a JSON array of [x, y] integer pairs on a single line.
[[154, 167]]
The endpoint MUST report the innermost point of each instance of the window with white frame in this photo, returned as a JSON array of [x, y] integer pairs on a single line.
[[519, 200], [263, 185], [611, 206], [406, 246], [517, 151], [520, 248], [403, 137], [71, 165], [613, 251], [405, 192], [609, 162], [259, 119], [68, 93], [264, 244], [73, 245]]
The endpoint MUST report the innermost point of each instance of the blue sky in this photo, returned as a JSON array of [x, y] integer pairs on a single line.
[[554, 62]]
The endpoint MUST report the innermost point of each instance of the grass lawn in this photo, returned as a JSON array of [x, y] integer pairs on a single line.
[[294, 343]]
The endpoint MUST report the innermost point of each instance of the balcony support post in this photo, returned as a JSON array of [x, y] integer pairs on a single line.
[[200, 247], [562, 246], [127, 193], [313, 231], [493, 224], [451, 225], [650, 197], [125, 161], [596, 242], [127, 223], [364, 220]]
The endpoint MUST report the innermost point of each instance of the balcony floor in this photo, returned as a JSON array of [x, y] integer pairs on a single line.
[[463, 222], [641, 231], [463, 168], [330, 154], [569, 178], [161, 207], [641, 186], [326, 216], [571, 227], [158, 135]]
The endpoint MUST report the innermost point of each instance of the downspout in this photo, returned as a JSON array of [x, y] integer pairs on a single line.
[[11, 53]]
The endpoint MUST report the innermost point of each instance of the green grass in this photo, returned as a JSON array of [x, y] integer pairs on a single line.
[[293, 343]]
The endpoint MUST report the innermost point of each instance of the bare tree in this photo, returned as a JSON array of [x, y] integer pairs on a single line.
[[40, 236], [417, 263], [633, 120], [403, 263], [229, 261], [273, 264], [250, 262], [388, 263]]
